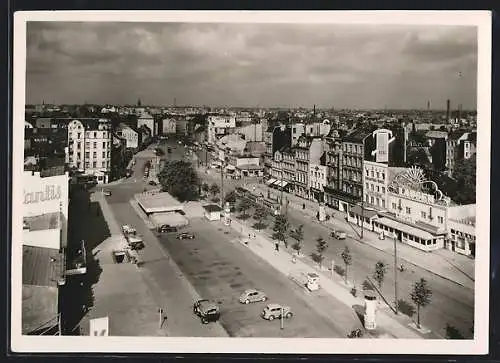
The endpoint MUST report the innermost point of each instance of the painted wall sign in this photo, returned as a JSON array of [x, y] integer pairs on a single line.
[[51, 192]]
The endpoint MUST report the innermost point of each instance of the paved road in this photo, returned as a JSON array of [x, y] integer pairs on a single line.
[[451, 303], [222, 269]]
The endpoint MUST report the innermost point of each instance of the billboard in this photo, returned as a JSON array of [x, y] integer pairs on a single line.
[[382, 145]]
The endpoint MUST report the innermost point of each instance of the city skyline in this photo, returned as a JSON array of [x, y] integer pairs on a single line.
[[249, 65]]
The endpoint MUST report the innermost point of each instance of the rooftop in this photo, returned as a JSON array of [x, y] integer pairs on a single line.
[[212, 208], [158, 202], [41, 266], [358, 135], [250, 167]]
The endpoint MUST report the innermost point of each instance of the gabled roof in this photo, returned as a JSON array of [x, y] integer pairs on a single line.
[[358, 135]]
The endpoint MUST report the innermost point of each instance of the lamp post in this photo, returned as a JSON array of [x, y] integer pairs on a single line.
[[395, 277]]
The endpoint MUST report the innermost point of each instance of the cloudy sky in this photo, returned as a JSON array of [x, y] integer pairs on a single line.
[[286, 65]]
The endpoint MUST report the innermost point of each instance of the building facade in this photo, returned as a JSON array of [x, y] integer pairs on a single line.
[[147, 120], [301, 156], [128, 134], [89, 149], [333, 148], [218, 126], [169, 126]]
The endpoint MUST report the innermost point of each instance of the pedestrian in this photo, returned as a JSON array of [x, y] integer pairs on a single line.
[[254, 236], [277, 246], [303, 205], [249, 236]]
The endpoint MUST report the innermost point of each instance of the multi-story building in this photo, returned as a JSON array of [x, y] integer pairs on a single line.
[[301, 153], [333, 148], [317, 181], [218, 126], [252, 132], [45, 217], [283, 169], [353, 153], [275, 138], [169, 126], [89, 147], [128, 134], [375, 180], [145, 119], [459, 145], [416, 213]]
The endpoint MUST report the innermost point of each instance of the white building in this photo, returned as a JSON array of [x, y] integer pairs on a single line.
[[462, 229], [218, 126], [89, 148], [147, 120], [169, 126], [317, 181], [130, 136]]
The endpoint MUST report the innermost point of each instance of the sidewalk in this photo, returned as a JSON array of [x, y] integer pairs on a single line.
[[282, 261], [130, 307], [444, 263]]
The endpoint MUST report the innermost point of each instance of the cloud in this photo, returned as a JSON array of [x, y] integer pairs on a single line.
[[253, 64]]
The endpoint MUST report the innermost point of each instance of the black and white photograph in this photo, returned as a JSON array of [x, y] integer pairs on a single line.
[[271, 182]]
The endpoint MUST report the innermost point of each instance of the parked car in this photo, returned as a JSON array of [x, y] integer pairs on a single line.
[[185, 235], [107, 193], [252, 295], [152, 182], [166, 229], [207, 310], [273, 311], [338, 234]]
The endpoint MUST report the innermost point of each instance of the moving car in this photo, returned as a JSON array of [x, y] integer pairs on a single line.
[[166, 229], [339, 234], [127, 230], [252, 295], [135, 242], [207, 310], [273, 311], [185, 235]]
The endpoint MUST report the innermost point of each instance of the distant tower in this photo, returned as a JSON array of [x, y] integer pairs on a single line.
[[459, 113], [447, 110], [139, 103], [314, 111], [428, 105], [175, 102]]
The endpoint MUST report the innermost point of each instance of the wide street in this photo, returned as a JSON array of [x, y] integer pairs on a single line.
[[451, 303], [220, 269]]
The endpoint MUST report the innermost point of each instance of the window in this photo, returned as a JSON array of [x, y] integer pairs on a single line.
[[408, 210], [103, 164], [367, 172], [367, 186], [103, 154], [378, 189], [371, 200], [440, 219], [87, 164], [87, 154], [104, 144], [383, 203], [87, 145], [372, 173], [372, 187], [383, 190], [383, 176], [94, 155], [378, 201], [94, 164], [378, 174], [95, 135], [79, 135], [423, 214]]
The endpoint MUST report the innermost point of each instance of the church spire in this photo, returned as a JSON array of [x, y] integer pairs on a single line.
[[139, 103]]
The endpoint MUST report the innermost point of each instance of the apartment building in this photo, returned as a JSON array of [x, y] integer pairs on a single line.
[[283, 169], [89, 147], [129, 135], [333, 158], [218, 126], [145, 119], [301, 153], [459, 145]]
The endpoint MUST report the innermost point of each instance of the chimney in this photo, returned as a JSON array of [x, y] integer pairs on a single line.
[[314, 111], [447, 110], [459, 113]]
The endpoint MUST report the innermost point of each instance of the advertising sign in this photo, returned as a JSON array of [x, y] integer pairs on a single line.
[[382, 145]]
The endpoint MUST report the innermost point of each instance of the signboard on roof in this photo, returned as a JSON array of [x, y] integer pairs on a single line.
[[382, 145]]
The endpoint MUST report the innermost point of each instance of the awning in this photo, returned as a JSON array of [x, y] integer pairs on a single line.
[[271, 181], [405, 228], [367, 213]]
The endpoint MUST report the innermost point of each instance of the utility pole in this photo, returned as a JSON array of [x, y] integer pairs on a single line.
[[222, 183], [395, 277]]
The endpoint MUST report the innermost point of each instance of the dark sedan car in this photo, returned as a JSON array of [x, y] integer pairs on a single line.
[[207, 310], [166, 229], [185, 235]]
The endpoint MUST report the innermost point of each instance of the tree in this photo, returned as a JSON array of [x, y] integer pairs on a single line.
[[231, 197], [321, 246], [214, 189], [244, 205], [421, 296], [298, 235], [260, 215], [453, 333], [205, 187], [347, 257], [179, 179], [379, 273], [280, 227], [465, 175]]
